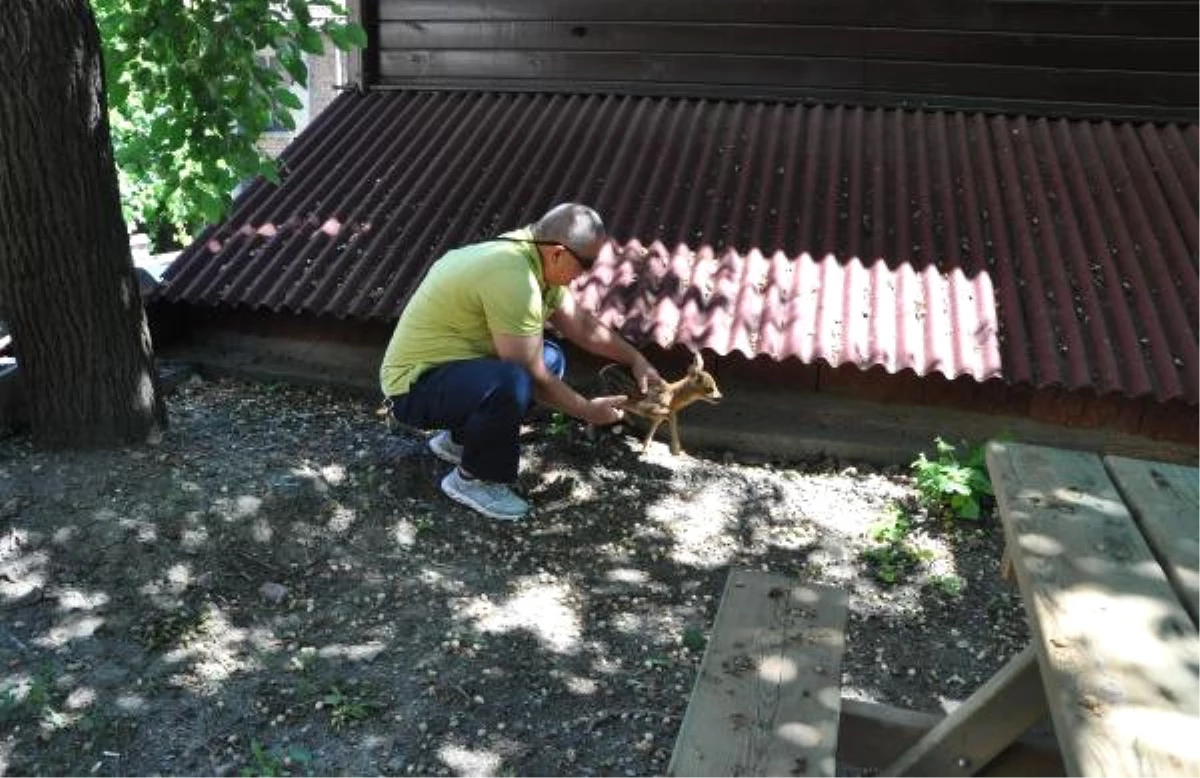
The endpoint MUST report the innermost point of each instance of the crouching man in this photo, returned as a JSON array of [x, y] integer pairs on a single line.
[[468, 357]]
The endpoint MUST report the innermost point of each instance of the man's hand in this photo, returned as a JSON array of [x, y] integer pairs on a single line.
[[645, 375], [602, 411]]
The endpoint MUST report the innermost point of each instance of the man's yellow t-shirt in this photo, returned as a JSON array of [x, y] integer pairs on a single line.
[[469, 293]]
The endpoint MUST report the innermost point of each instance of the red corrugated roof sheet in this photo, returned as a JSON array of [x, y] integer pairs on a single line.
[[1035, 251]]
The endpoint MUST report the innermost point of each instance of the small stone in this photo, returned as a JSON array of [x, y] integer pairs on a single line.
[[273, 592]]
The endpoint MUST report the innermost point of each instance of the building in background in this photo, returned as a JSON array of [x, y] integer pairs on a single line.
[[981, 205], [326, 75]]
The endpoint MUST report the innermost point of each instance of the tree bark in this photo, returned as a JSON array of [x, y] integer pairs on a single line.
[[67, 285]]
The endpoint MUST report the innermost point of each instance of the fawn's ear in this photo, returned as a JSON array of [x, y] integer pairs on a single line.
[[697, 363]]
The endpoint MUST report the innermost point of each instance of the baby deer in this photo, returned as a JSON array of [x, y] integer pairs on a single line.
[[664, 401]]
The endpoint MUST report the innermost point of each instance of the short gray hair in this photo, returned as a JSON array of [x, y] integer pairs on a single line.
[[575, 226]]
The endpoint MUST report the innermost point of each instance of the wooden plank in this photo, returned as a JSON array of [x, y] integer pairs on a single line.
[[1165, 500], [1117, 651], [762, 39], [1101, 18], [768, 695], [989, 721], [703, 70], [828, 95], [1006, 565], [871, 736]]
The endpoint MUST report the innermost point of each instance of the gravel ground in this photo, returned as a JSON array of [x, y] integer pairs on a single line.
[[279, 587]]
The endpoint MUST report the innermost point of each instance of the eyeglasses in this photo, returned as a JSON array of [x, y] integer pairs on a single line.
[[584, 262]]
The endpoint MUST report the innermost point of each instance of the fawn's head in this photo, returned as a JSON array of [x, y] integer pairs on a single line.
[[697, 385]]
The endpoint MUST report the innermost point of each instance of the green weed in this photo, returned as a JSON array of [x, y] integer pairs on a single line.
[[893, 556], [948, 585], [304, 660], [948, 485], [693, 639], [266, 762], [346, 709], [559, 424], [178, 627], [34, 703]]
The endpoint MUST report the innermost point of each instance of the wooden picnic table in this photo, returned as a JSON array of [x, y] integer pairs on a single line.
[[1105, 552]]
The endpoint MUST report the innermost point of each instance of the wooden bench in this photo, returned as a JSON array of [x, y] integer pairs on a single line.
[[767, 699], [1105, 555]]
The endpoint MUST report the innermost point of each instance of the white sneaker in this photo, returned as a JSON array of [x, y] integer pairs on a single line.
[[445, 449], [490, 499]]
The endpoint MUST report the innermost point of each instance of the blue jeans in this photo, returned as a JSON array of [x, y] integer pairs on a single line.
[[482, 402]]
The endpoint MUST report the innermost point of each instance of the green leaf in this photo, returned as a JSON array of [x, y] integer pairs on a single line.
[[310, 41], [188, 98], [346, 36], [356, 35], [270, 171], [293, 63], [288, 99], [337, 36]]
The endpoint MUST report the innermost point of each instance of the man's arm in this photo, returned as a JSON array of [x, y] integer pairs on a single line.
[[581, 327], [526, 350]]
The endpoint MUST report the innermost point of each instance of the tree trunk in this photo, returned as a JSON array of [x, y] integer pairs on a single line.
[[67, 286]]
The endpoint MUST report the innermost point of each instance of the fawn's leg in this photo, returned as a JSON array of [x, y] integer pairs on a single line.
[[676, 449], [654, 425]]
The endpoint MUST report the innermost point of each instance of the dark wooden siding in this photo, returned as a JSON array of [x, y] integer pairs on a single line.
[[1135, 59]]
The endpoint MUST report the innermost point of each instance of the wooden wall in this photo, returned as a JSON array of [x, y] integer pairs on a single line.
[[1132, 59]]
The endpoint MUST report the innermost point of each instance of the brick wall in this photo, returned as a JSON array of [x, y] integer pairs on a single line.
[[323, 76]]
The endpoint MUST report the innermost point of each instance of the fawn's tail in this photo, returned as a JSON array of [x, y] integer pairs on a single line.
[[618, 381]]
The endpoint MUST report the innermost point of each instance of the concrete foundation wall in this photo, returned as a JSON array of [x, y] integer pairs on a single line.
[[782, 410]]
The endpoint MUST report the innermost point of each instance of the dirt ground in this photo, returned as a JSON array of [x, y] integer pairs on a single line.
[[279, 587]]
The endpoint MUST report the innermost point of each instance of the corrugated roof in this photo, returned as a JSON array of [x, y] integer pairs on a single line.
[[1035, 251]]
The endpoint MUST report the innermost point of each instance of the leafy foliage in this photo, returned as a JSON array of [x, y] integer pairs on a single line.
[[949, 485], [893, 556], [346, 709], [190, 94], [693, 639], [949, 585], [267, 762]]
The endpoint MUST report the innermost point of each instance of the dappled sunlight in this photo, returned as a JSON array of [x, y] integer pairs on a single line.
[[144, 397], [233, 509], [358, 652], [132, 702], [1156, 731], [577, 684], [275, 574], [466, 761], [72, 628], [342, 519], [24, 575], [627, 575], [542, 608], [16, 685], [1151, 621], [334, 475], [80, 698], [164, 592], [1070, 497], [705, 544], [777, 668], [799, 734], [71, 598], [261, 530], [629, 623], [212, 657], [404, 533], [323, 477]]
